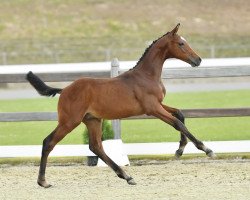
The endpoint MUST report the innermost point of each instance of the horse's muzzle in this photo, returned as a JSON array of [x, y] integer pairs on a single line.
[[195, 62]]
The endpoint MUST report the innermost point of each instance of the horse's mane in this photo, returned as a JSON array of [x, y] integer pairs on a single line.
[[147, 49]]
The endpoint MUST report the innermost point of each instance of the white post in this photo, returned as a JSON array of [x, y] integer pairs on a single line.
[[114, 67], [116, 124], [118, 155]]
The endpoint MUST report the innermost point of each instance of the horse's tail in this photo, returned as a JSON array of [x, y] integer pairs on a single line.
[[41, 87]]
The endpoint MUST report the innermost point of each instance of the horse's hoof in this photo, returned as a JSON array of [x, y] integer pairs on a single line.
[[44, 184], [131, 181], [178, 154], [211, 154]]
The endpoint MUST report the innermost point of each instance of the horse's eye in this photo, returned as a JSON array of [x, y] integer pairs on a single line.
[[181, 44]]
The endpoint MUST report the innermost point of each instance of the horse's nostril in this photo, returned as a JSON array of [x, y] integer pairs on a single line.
[[199, 61]]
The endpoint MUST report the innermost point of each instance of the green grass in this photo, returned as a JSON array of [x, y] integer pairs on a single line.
[[237, 128], [217, 129], [27, 105]]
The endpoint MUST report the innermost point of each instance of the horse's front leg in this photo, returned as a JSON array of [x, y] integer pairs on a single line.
[[183, 141], [94, 127], [167, 117]]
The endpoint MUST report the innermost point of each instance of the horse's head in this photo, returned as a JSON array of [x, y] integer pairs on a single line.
[[179, 48]]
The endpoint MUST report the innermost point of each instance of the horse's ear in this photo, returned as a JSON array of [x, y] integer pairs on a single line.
[[174, 31]]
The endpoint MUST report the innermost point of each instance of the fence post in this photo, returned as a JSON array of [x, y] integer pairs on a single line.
[[116, 124]]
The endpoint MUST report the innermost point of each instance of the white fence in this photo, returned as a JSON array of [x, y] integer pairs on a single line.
[[172, 69]]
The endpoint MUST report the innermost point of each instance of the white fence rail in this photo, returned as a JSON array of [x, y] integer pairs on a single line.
[[127, 149], [175, 69]]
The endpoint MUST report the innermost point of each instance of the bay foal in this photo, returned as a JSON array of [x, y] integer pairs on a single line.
[[137, 91]]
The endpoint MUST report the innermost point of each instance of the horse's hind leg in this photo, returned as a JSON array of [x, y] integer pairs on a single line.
[[183, 142], [48, 144], [94, 127]]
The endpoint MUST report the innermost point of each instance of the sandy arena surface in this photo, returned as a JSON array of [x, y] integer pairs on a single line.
[[168, 180]]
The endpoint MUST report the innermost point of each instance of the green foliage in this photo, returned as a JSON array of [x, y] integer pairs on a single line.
[[107, 132]]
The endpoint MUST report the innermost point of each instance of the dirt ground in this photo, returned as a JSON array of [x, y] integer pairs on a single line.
[[168, 180]]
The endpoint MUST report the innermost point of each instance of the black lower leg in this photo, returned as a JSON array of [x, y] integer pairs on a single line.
[[181, 127], [45, 152], [200, 145], [183, 141], [118, 170], [121, 174]]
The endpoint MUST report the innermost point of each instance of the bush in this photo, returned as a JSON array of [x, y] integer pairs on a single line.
[[107, 132]]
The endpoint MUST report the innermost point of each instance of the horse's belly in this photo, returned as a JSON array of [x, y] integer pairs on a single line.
[[116, 110]]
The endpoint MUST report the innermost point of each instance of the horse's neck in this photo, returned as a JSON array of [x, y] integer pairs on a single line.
[[151, 64]]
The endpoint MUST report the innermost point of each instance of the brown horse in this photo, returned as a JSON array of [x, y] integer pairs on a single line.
[[138, 91]]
